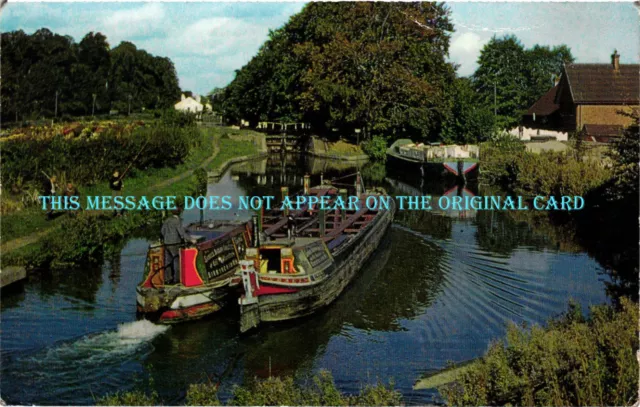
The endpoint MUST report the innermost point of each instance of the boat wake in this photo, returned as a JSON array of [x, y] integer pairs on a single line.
[[80, 364]]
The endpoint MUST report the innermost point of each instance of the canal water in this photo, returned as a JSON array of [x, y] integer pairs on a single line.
[[439, 289]]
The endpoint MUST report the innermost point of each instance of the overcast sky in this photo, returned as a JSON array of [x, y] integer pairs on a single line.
[[208, 41]]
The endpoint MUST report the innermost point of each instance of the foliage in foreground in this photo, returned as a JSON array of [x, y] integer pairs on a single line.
[[274, 391], [130, 398], [506, 163], [572, 362]]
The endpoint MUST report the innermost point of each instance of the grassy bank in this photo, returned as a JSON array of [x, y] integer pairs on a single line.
[[137, 183], [231, 148], [574, 361], [319, 391], [68, 241]]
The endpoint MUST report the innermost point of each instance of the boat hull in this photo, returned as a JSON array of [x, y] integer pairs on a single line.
[[307, 300], [446, 171], [179, 304]]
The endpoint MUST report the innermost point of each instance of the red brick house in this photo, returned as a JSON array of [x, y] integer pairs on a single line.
[[589, 99]]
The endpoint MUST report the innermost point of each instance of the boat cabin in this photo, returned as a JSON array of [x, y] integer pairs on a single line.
[[285, 257]]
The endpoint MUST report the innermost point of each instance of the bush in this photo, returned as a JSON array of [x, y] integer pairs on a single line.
[[557, 174], [322, 392], [175, 118], [498, 160], [274, 391], [89, 153], [132, 398], [572, 362], [376, 148], [505, 162], [203, 394]]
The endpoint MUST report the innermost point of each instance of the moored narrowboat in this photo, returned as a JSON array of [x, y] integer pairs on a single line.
[[459, 162], [205, 270], [286, 278]]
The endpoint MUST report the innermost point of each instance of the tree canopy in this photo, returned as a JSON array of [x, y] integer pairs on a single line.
[[380, 67], [511, 78], [84, 78]]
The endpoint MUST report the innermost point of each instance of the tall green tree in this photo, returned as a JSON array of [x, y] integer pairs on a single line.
[[380, 67], [511, 78], [46, 73], [91, 74], [470, 120]]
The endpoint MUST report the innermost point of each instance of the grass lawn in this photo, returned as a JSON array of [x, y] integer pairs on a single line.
[[230, 148]]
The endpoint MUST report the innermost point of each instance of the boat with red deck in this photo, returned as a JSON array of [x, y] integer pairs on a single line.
[[206, 269], [285, 278]]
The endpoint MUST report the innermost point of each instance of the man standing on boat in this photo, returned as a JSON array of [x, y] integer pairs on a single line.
[[173, 237]]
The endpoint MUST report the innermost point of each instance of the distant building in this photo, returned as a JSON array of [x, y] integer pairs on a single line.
[[192, 104], [588, 99]]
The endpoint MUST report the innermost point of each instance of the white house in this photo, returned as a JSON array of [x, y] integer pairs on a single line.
[[528, 134], [192, 104]]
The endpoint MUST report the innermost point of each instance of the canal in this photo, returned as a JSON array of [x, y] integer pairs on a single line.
[[440, 288]]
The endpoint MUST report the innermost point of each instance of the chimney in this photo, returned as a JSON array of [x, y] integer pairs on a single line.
[[182, 97], [615, 60]]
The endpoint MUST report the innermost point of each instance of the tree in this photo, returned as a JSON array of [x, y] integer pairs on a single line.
[[376, 66], [91, 73], [624, 154], [511, 78], [45, 72], [470, 120]]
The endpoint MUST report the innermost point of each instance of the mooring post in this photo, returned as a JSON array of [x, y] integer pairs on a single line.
[[322, 178], [322, 218], [343, 212], [284, 192], [256, 231], [305, 184], [358, 185]]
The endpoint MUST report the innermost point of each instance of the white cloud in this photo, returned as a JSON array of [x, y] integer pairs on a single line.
[[219, 35], [130, 23], [465, 50]]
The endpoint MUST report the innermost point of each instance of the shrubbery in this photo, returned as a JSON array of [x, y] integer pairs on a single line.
[[506, 163], [376, 148], [274, 391], [571, 362], [557, 174], [88, 153]]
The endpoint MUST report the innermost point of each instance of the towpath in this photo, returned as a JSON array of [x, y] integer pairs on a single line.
[[23, 241]]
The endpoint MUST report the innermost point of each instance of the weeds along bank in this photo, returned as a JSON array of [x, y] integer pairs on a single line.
[[573, 362], [505, 162], [319, 390], [83, 239], [72, 241]]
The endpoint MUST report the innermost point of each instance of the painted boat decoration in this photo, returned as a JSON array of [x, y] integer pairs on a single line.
[[460, 167], [206, 269], [431, 160], [284, 278]]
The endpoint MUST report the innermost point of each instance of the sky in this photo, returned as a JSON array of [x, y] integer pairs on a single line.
[[208, 41]]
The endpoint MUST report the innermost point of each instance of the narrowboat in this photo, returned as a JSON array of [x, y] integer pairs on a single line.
[[284, 278], [206, 269], [447, 161]]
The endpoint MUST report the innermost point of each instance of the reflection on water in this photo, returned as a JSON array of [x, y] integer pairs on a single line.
[[439, 288]]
